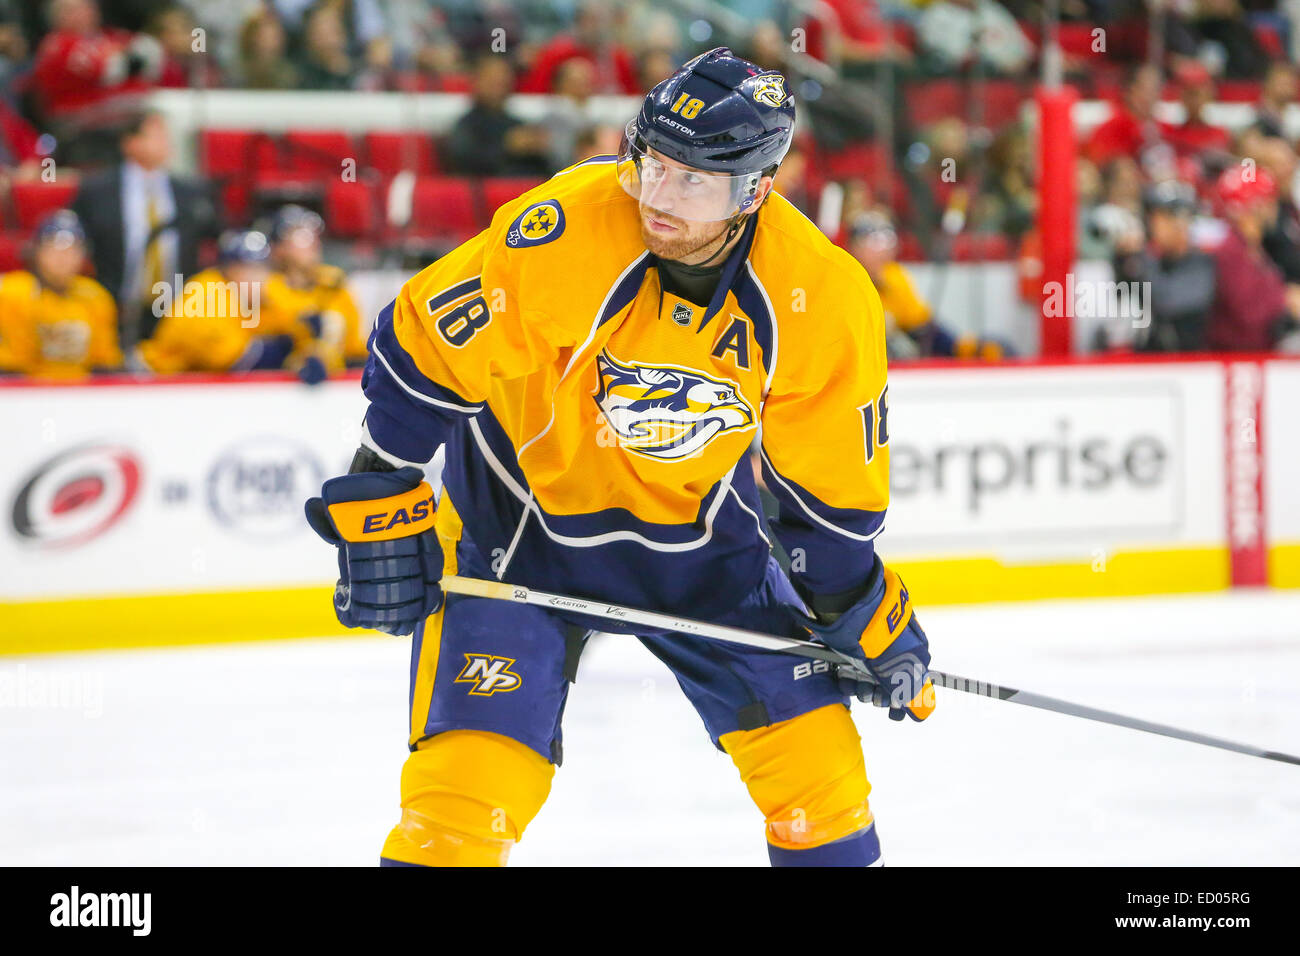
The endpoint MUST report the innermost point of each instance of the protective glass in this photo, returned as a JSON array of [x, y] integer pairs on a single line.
[[692, 194]]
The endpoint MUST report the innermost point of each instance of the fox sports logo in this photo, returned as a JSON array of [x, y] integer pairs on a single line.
[[258, 486]]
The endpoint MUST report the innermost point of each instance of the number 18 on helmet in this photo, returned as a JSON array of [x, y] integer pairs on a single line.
[[706, 136]]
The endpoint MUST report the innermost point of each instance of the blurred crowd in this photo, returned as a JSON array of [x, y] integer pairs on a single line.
[[920, 147], [1209, 218], [430, 44]]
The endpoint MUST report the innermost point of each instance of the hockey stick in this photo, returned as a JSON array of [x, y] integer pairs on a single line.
[[501, 591]]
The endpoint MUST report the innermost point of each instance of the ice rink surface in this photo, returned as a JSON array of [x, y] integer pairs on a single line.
[[289, 752]]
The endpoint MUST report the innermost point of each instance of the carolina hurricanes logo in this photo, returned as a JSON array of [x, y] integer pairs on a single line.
[[770, 90], [489, 674], [76, 496], [667, 412]]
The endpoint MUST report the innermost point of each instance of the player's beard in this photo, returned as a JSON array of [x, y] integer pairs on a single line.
[[693, 243]]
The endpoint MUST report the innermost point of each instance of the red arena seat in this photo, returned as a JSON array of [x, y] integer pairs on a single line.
[[35, 199], [932, 100], [317, 152], [229, 152], [11, 252], [350, 210], [391, 153], [1002, 102], [909, 248], [499, 191], [856, 161], [443, 206]]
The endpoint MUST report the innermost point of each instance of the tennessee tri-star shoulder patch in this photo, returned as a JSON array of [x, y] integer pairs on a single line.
[[540, 223]]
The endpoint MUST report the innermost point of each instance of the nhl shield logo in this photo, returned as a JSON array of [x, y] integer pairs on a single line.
[[682, 314]]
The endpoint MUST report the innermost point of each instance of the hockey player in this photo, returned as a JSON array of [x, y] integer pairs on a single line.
[[312, 291], [55, 322], [911, 329], [223, 320], [595, 364]]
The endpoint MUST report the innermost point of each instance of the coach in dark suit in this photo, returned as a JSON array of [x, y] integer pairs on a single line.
[[144, 224]]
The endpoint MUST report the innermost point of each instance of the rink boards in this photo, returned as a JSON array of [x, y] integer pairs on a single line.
[[145, 513]]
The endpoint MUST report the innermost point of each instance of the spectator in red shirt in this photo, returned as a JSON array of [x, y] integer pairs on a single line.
[[81, 63], [616, 70], [1194, 136], [18, 140], [1254, 308], [20, 150], [1132, 126], [860, 34]]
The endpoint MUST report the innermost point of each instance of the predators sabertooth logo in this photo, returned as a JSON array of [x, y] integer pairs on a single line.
[[667, 412], [770, 90], [489, 674]]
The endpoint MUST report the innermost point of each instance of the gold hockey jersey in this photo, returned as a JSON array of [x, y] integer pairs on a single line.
[[56, 334], [597, 428]]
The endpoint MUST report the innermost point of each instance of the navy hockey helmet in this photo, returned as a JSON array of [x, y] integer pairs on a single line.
[[719, 114], [62, 227], [1170, 196], [291, 218], [875, 227], [245, 245]]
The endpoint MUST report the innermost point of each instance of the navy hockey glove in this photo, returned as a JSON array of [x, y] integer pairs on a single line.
[[263, 352], [390, 560], [881, 629], [312, 371]]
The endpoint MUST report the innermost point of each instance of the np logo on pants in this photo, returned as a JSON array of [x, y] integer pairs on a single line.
[[489, 674]]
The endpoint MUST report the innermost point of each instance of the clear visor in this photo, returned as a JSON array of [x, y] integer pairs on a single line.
[[62, 239], [882, 240], [304, 237], [675, 190]]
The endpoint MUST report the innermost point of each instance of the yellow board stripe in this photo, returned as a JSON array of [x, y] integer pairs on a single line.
[[1284, 565], [169, 620], [1124, 573]]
